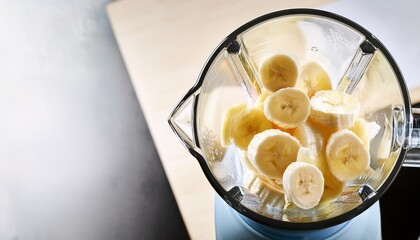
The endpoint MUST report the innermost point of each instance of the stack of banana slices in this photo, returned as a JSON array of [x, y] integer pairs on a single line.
[[299, 134]]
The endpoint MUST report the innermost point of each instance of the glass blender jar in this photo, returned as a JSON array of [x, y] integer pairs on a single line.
[[357, 63]]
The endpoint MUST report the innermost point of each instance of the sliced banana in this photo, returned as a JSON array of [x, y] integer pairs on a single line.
[[241, 123], [278, 71], [334, 109], [268, 191], [243, 156], [347, 156], [287, 107], [312, 136], [271, 151], [303, 184], [259, 103], [228, 117], [332, 186], [307, 155], [313, 79], [360, 129], [286, 130]]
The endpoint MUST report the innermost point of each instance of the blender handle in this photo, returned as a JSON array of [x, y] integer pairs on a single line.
[[415, 132], [412, 158]]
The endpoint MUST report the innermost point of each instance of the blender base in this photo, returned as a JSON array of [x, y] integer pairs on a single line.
[[231, 225]]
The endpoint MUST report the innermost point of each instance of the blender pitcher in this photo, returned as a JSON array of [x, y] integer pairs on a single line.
[[357, 63]]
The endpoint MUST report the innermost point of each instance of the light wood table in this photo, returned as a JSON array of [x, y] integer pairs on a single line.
[[164, 45]]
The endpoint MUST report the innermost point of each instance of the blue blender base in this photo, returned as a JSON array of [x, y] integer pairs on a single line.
[[231, 225]]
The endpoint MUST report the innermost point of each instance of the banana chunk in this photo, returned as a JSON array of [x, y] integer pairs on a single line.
[[278, 71], [241, 123], [347, 157], [313, 79], [307, 155], [259, 103], [228, 118], [334, 109], [312, 136], [269, 192], [360, 129], [287, 107], [243, 157], [303, 184], [332, 186], [271, 151]]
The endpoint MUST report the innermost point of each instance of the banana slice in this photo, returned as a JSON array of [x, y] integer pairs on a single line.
[[303, 184], [278, 71], [286, 130], [313, 79], [241, 123], [334, 109], [287, 107], [360, 129], [243, 156], [271, 151], [260, 100], [312, 136], [347, 157], [307, 155], [260, 104], [332, 186], [228, 118], [268, 191]]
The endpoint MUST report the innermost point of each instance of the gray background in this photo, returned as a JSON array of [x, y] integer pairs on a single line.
[[76, 157]]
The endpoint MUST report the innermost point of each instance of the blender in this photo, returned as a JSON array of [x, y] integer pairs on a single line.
[[358, 64]]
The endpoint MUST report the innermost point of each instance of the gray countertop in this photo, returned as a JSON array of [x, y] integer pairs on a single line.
[[76, 157]]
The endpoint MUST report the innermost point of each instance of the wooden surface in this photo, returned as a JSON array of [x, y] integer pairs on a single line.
[[415, 95], [164, 45]]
